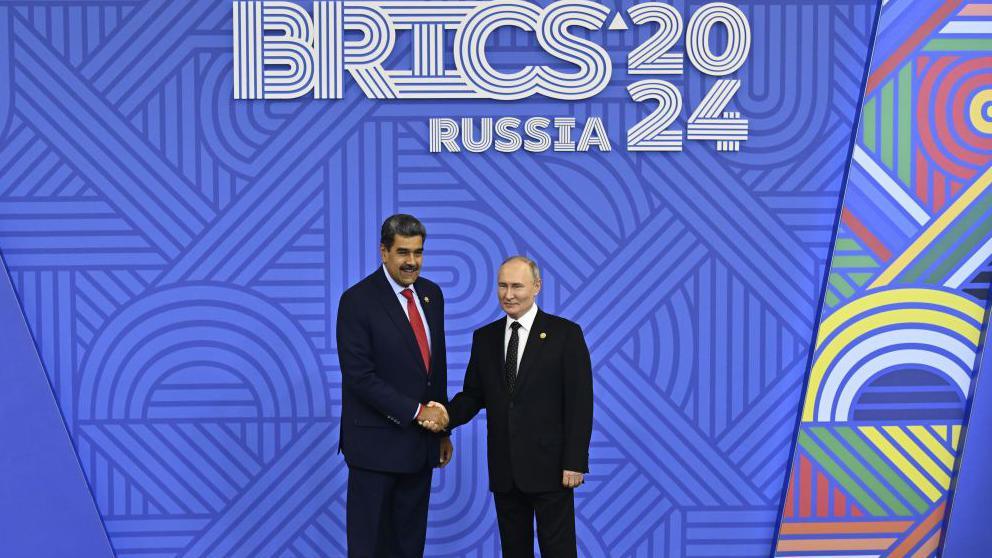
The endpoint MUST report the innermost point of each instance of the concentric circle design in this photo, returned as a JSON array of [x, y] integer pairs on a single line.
[[886, 331], [980, 111], [946, 137], [199, 351]]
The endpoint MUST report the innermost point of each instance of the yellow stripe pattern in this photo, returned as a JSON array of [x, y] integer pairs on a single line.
[[910, 471], [919, 456], [945, 457], [872, 301], [858, 329], [931, 233]]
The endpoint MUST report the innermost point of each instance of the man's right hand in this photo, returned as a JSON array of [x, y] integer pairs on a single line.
[[433, 416]]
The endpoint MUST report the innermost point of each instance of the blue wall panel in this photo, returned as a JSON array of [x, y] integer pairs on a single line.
[[46, 510], [179, 255]]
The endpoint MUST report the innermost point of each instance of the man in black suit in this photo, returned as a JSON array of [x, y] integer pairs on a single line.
[[531, 372], [390, 334]]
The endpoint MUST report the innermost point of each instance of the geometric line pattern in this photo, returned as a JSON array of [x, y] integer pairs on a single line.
[[896, 347], [179, 256]]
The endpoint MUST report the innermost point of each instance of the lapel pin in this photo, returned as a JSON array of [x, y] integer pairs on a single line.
[[427, 300], [543, 335]]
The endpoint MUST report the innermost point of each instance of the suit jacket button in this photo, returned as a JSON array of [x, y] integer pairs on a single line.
[[511, 404], [428, 383]]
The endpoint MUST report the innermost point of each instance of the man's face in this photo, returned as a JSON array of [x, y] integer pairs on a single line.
[[516, 288], [404, 258]]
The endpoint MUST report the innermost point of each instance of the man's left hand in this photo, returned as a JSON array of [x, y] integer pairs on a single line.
[[571, 479], [447, 450]]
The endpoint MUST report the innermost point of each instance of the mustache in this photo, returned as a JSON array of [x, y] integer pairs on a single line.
[[409, 268]]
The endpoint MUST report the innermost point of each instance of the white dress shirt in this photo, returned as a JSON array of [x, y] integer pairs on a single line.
[[526, 323], [398, 289]]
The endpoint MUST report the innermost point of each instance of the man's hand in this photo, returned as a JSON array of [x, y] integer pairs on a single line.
[[447, 450], [433, 416], [571, 479]]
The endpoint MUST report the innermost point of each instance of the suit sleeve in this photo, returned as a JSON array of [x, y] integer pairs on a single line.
[[358, 367], [465, 405], [577, 403]]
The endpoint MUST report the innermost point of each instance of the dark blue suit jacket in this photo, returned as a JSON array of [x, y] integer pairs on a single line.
[[384, 379]]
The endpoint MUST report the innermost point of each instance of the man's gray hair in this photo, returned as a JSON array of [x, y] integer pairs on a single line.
[[534, 270], [403, 225]]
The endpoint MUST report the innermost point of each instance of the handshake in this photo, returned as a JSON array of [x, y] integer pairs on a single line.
[[433, 416]]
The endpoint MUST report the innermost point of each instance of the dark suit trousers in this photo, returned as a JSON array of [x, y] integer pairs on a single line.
[[555, 513], [387, 513]]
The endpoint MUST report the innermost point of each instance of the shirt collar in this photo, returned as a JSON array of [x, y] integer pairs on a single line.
[[527, 320], [397, 288]]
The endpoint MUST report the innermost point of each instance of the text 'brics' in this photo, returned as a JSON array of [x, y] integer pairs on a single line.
[[284, 51]]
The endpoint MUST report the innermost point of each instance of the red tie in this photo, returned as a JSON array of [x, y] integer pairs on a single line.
[[418, 328]]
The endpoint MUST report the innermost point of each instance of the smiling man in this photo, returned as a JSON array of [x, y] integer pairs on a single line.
[[390, 334], [531, 372]]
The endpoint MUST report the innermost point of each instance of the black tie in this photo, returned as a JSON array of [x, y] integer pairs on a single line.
[[510, 366]]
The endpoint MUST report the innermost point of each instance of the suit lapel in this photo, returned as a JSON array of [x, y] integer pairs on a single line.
[[496, 341], [429, 313], [391, 304], [532, 350]]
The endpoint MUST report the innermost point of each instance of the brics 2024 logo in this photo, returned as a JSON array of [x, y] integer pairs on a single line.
[[283, 51]]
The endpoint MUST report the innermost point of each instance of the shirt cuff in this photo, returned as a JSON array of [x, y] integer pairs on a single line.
[[417, 414]]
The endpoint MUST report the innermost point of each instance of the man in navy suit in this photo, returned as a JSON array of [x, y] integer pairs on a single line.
[[390, 334]]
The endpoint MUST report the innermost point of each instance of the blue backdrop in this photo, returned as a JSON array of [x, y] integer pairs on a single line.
[[178, 257]]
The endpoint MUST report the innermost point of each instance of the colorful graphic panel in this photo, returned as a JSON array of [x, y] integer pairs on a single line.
[[907, 296], [178, 255]]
